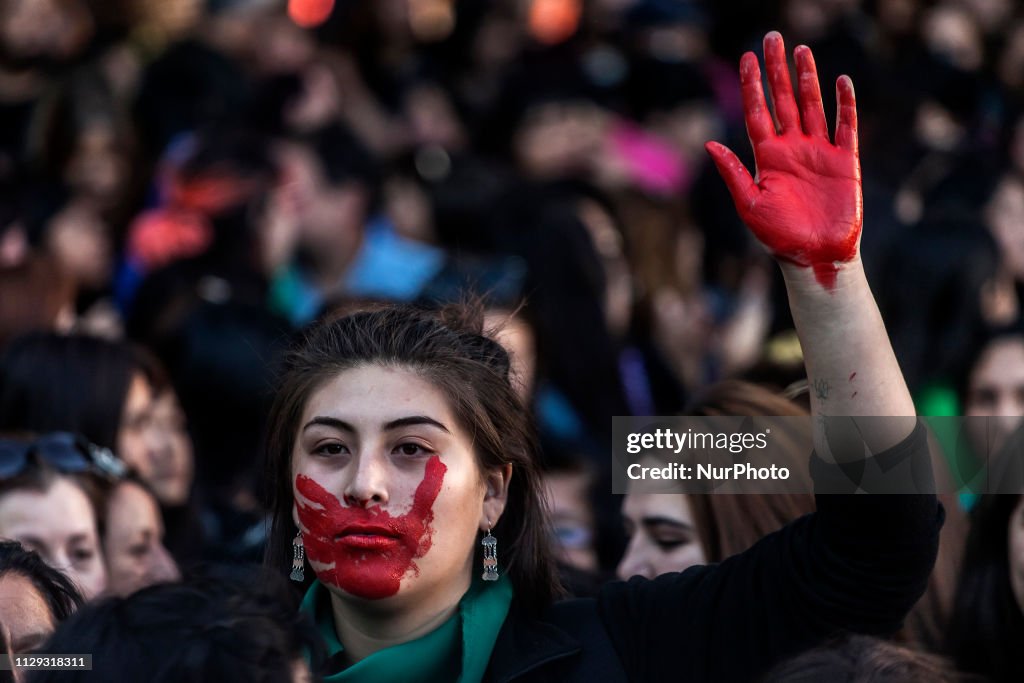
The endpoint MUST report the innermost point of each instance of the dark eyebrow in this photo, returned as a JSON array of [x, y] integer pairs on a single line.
[[654, 521], [329, 422], [414, 420], [388, 426]]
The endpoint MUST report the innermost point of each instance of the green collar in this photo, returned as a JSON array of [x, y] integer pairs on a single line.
[[457, 651]]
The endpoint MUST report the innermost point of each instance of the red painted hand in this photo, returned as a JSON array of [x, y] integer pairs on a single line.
[[805, 205]]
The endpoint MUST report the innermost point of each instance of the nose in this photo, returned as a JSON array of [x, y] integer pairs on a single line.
[[635, 560], [163, 568], [367, 483]]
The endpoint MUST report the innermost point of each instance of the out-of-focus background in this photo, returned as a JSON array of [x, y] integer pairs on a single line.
[[195, 180]]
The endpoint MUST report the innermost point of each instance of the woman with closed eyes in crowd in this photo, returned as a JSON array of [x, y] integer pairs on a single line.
[[669, 532], [400, 454]]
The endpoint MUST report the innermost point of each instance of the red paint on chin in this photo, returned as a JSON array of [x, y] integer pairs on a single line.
[[368, 565]]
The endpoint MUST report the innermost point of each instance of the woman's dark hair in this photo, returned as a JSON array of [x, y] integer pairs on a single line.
[[987, 625], [223, 626], [51, 382], [60, 594], [728, 524], [566, 285], [863, 659], [447, 348]]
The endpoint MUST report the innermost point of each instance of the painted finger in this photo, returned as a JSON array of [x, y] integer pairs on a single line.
[[755, 109], [779, 84], [737, 178], [846, 117], [811, 108]]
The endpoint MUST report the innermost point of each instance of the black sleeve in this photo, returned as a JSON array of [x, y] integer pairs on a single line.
[[858, 564]]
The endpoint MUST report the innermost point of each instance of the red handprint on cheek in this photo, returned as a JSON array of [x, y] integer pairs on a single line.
[[805, 205], [366, 551]]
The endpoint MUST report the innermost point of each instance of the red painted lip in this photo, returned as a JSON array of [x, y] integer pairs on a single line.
[[368, 541], [368, 537], [367, 530]]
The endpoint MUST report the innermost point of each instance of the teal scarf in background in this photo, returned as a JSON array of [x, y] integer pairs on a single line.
[[457, 651]]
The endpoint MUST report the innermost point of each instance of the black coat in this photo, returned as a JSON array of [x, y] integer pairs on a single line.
[[857, 565]]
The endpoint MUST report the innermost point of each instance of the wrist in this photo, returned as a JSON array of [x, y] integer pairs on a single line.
[[805, 282]]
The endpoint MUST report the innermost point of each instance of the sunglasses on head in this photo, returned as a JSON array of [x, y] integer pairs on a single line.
[[63, 451]]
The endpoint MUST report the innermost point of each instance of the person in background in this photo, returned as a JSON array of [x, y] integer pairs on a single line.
[[671, 532], [133, 538], [993, 387], [34, 598], [48, 503], [37, 296], [862, 658], [222, 625], [987, 623]]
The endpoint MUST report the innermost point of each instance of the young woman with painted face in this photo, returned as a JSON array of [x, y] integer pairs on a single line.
[[397, 444]]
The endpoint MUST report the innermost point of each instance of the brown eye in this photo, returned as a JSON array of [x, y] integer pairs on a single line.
[[411, 450], [328, 449]]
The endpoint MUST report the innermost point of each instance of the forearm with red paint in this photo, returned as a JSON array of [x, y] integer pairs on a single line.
[[805, 206]]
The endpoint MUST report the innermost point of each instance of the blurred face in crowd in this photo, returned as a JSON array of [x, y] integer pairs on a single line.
[[571, 516], [59, 524], [952, 33], [1015, 551], [330, 216], [995, 388], [137, 434], [559, 138], [154, 440], [389, 496], [662, 535], [1004, 215], [618, 298], [97, 168], [79, 240], [433, 119], [517, 338], [409, 209], [168, 468], [134, 549], [24, 614], [43, 29]]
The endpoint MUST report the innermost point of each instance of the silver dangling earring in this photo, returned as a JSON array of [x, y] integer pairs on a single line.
[[298, 559], [490, 544]]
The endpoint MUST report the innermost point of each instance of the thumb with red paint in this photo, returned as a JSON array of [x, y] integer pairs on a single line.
[[804, 204]]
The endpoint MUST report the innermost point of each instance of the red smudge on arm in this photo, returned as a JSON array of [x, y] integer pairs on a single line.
[[852, 375]]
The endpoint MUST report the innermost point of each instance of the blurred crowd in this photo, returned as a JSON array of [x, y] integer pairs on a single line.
[[186, 184]]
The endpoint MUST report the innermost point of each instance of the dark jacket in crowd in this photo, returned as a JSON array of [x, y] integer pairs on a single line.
[[857, 565]]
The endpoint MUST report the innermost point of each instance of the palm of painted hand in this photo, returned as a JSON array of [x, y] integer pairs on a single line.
[[806, 205]]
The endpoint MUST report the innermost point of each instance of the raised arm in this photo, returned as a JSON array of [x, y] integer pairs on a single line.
[[805, 205], [861, 561]]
